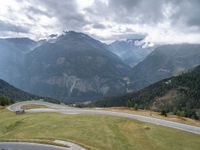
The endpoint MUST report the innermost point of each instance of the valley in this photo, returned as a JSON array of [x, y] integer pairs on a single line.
[[90, 76], [100, 75]]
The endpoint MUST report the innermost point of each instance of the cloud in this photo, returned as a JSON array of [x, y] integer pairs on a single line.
[[128, 11], [137, 11], [5, 26], [163, 21], [42, 17], [98, 26], [65, 11], [148, 11], [187, 12]]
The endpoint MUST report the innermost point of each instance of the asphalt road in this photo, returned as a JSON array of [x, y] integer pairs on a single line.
[[71, 110], [28, 146], [35, 146]]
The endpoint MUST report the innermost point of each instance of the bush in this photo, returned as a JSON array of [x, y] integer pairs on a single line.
[[136, 107], [180, 113], [164, 113]]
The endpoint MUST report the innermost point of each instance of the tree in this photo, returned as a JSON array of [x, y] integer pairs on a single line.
[[130, 103], [136, 107], [5, 101]]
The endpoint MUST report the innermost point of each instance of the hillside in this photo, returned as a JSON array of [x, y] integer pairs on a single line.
[[176, 94], [9, 94], [164, 62], [74, 66]]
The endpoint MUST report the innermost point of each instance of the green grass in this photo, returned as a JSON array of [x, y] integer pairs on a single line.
[[95, 131]]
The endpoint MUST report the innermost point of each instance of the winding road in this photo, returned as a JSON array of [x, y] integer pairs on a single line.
[[28, 146], [36, 146], [70, 110]]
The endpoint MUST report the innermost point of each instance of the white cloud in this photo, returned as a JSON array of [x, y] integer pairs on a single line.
[[163, 22], [82, 4]]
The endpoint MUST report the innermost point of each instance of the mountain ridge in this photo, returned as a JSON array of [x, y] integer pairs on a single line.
[[164, 62], [131, 51], [75, 65]]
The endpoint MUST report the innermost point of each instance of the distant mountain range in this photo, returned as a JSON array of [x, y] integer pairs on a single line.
[[73, 66], [164, 62], [179, 95], [70, 66], [131, 51], [23, 44]]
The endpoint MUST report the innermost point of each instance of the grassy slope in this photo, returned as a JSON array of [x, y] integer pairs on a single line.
[[33, 106], [102, 132], [154, 114]]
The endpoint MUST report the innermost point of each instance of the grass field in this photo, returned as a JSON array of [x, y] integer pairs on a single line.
[[148, 113], [33, 106], [95, 131]]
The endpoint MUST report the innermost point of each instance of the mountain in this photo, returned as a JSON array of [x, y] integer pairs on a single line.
[[11, 59], [165, 61], [74, 66], [12, 55], [13, 93], [179, 95], [131, 51], [23, 44]]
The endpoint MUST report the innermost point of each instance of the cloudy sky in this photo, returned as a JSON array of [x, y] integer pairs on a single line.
[[162, 21]]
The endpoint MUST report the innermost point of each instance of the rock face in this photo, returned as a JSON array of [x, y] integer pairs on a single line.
[[131, 51], [164, 62], [74, 67]]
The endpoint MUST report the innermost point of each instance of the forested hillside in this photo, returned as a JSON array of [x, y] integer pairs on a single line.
[[179, 95], [9, 94]]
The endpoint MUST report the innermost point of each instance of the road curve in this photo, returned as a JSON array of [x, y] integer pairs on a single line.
[[28, 146], [70, 110], [36, 146]]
